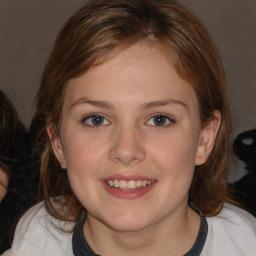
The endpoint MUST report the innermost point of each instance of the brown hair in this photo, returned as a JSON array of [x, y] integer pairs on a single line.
[[90, 37]]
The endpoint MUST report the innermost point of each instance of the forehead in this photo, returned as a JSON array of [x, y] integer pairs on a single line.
[[140, 71]]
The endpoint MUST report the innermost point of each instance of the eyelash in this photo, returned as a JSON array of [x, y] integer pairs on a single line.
[[166, 118], [86, 118]]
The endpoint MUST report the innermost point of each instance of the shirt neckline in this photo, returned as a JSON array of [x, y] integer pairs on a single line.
[[82, 248]]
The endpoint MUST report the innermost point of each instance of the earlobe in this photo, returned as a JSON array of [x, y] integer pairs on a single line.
[[207, 138], [56, 146]]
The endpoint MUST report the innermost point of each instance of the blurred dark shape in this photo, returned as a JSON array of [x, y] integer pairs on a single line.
[[244, 190], [19, 160]]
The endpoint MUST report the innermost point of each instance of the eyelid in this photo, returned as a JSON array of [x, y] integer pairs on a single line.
[[168, 117], [86, 117]]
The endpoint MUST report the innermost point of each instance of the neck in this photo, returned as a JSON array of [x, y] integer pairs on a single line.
[[176, 235]]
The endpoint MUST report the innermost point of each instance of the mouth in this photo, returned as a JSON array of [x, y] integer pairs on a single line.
[[129, 184], [128, 187]]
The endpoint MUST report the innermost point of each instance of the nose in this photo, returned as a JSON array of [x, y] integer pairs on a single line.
[[127, 147]]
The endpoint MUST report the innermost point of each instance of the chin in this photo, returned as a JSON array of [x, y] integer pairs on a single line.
[[127, 227], [128, 222]]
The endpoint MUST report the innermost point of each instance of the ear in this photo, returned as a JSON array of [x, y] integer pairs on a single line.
[[56, 146], [207, 138]]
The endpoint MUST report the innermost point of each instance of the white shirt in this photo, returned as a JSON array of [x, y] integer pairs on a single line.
[[230, 233]]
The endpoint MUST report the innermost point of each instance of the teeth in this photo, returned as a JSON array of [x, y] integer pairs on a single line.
[[138, 183], [128, 185], [131, 184], [116, 184], [123, 184]]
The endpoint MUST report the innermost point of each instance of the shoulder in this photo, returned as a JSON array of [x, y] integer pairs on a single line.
[[231, 232], [234, 218], [38, 233]]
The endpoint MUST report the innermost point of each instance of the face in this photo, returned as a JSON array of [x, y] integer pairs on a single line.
[[130, 139], [3, 184]]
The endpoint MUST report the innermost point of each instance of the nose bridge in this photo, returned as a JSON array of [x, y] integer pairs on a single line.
[[127, 146]]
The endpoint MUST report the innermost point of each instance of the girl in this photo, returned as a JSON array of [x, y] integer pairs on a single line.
[[133, 128]]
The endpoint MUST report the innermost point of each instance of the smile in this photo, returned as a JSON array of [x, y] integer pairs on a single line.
[[128, 184]]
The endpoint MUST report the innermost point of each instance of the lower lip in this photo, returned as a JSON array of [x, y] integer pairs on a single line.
[[128, 194]]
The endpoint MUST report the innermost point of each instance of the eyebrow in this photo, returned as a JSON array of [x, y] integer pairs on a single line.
[[108, 105], [166, 102], [96, 103]]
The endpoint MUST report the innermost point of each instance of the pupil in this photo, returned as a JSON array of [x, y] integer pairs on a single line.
[[97, 120], [159, 120]]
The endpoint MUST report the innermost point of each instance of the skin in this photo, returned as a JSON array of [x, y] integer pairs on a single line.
[[128, 91], [4, 179]]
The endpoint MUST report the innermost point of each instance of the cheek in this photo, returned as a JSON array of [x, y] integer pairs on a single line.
[[4, 180], [83, 154], [175, 156], [83, 160], [174, 149], [3, 192]]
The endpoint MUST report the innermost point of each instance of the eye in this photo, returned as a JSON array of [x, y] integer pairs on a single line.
[[95, 120], [160, 120]]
